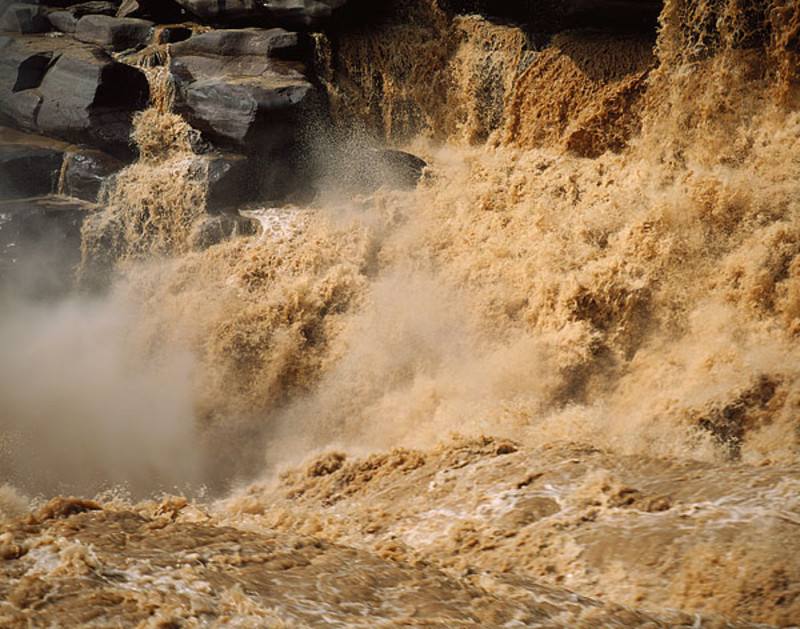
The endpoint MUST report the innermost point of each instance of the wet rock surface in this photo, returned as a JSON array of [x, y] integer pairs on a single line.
[[86, 171], [28, 170]]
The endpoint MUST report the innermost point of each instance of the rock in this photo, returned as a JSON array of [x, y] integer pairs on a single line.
[[24, 18], [302, 13], [69, 90], [93, 7], [34, 165], [86, 171], [291, 13], [212, 230], [245, 42], [398, 168], [66, 20], [172, 34], [234, 112], [40, 244], [114, 33], [349, 167], [29, 165], [232, 87], [231, 181]]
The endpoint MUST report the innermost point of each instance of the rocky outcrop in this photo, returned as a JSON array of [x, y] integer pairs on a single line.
[[247, 90], [232, 180], [114, 33], [24, 18], [163, 11], [66, 20], [69, 90], [29, 165], [237, 86], [85, 171], [215, 229]]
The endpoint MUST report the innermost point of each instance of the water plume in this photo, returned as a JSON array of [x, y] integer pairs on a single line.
[[599, 268], [84, 410]]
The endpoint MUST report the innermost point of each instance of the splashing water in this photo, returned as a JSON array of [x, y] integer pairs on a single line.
[[604, 254]]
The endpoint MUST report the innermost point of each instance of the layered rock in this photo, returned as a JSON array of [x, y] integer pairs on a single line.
[[24, 18], [247, 90], [29, 165], [86, 171], [114, 33], [66, 20], [236, 85], [69, 90]]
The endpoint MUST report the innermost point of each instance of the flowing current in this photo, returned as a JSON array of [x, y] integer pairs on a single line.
[[557, 384]]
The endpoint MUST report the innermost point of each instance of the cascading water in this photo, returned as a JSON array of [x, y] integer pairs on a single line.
[[600, 269]]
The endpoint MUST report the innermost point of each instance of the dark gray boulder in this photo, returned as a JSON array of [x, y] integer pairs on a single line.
[[234, 88], [291, 13], [66, 20], [86, 171], [212, 230], [29, 165], [231, 181], [397, 168], [302, 13], [69, 90], [24, 18], [350, 166], [114, 33], [233, 111], [275, 43]]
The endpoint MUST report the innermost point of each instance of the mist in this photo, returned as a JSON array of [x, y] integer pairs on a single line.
[[83, 409]]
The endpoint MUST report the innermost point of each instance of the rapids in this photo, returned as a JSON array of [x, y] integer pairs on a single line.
[[556, 384]]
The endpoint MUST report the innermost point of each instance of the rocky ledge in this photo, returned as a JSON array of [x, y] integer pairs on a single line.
[[74, 75]]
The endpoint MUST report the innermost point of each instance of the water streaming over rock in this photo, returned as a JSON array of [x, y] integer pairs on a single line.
[[599, 269]]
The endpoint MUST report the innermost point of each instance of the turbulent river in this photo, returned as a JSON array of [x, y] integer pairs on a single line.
[[557, 384]]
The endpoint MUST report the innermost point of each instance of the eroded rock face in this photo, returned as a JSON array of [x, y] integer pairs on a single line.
[[114, 33], [159, 10], [29, 166], [213, 230], [66, 20], [239, 89], [69, 90], [24, 18], [85, 172]]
